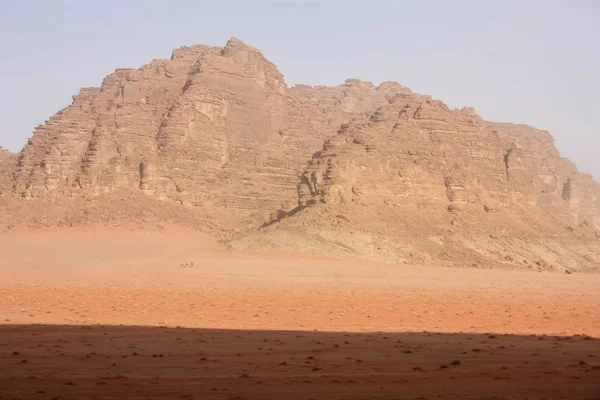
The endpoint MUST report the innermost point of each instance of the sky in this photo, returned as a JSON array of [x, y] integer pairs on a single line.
[[528, 61]]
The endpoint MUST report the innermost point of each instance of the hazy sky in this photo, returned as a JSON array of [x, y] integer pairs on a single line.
[[534, 62]]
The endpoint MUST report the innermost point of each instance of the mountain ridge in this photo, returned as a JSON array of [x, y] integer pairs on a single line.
[[215, 132], [420, 183]]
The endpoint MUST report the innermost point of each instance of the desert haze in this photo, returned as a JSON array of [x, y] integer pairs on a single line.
[[196, 229]]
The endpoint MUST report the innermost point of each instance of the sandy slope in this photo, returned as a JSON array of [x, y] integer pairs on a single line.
[[266, 308]]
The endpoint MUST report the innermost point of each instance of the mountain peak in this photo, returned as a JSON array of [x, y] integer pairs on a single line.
[[237, 44]]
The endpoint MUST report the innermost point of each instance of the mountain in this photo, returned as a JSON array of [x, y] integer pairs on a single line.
[[214, 138], [215, 129], [420, 183]]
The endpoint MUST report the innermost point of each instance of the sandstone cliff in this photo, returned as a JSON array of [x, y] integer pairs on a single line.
[[419, 182], [215, 139], [418, 145], [213, 128], [7, 160], [554, 182]]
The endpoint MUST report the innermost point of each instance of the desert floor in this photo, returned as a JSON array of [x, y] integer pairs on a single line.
[[163, 314]]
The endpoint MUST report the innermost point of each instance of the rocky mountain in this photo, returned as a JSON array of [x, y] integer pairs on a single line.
[[214, 138], [423, 150], [420, 183], [212, 128]]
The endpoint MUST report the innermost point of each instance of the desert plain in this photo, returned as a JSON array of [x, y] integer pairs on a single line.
[[164, 312]]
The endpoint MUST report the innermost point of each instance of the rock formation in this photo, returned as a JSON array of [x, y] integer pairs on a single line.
[[4, 154], [419, 182], [7, 160], [423, 150], [214, 137], [553, 182], [216, 128]]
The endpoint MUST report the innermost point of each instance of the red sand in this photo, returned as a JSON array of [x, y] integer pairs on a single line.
[[266, 308]]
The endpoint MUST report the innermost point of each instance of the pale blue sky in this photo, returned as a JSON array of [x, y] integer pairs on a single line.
[[535, 62]]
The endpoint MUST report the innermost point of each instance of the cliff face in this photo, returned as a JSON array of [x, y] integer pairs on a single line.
[[418, 182], [7, 160], [417, 149], [554, 182], [370, 171], [409, 151], [212, 127]]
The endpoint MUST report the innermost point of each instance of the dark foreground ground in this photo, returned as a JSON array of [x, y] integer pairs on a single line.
[[94, 314], [126, 362]]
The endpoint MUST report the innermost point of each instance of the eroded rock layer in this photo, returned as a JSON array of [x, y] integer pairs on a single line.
[[412, 150], [4, 154], [214, 137], [7, 160], [553, 182], [418, 182], [215, 128]]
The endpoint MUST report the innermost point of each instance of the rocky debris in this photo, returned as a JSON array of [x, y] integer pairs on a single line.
[[211, 128], [119, 208], [420, 183]]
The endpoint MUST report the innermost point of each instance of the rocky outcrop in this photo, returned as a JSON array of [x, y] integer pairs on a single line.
[[418, 182], [7, 160], [356, 170], [4, 154], [423, 150], [554, 182], [214, 128]]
